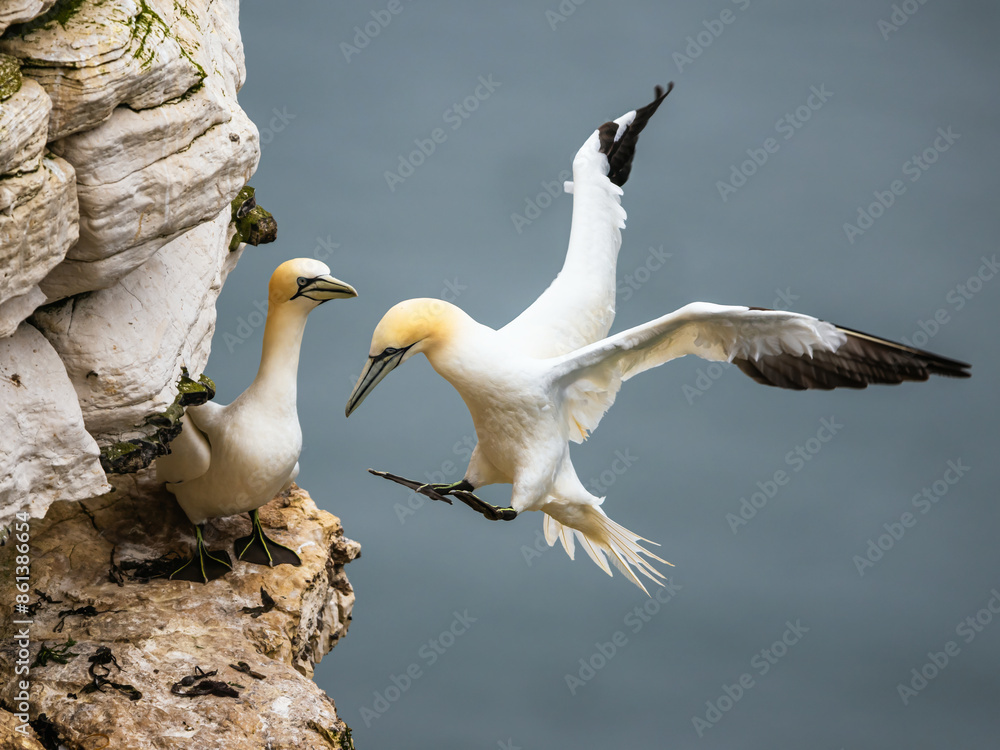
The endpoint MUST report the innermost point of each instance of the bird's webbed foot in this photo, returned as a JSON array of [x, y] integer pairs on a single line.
[[460, 490], [205, 566], [260, 549]]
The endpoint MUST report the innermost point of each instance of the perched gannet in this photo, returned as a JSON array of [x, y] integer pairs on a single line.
[[546, 378], [234, 459]]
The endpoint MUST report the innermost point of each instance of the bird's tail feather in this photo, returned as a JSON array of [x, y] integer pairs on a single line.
[[601, 538]]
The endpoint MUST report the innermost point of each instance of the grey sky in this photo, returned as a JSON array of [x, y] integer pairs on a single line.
[[684, 443]]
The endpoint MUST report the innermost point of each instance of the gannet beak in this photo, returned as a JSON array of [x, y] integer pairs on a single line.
[[324, 288], [376, 368]]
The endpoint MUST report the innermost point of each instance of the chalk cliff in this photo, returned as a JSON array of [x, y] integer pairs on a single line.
[[124, 160]]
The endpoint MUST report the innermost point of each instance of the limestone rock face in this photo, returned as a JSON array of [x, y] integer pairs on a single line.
[[124, 221], [162, 631], [95, 55], [37, 399], [122, 144], [24, 118], [145, 176], [16, 11], [124, 347], [38, 224]]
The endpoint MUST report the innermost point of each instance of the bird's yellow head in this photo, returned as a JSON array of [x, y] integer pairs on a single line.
[[416, 325], [305, 283]]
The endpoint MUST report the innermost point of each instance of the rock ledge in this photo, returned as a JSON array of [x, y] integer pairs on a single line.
[[277, 622]]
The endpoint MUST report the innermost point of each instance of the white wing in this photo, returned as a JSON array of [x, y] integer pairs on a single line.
[[578, 308], [774, 347], [190, 454]]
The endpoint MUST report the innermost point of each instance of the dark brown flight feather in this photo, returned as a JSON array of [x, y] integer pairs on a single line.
[[862, 360]]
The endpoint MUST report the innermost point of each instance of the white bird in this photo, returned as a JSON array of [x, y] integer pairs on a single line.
[[233, 459], [548, 377]]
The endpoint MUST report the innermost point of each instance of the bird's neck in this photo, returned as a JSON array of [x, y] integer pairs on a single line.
[[279, 357], [467, 351]]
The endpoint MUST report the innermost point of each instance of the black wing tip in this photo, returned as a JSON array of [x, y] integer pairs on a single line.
[[935, 364], [621, 151]]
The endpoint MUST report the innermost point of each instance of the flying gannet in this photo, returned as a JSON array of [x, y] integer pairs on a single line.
[[547, 377], [233, 459]]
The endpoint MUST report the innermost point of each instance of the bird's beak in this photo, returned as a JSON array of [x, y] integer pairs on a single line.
[[324, 288], [376, 368]]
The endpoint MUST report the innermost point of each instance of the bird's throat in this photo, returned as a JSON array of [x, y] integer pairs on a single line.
[[279, 357]]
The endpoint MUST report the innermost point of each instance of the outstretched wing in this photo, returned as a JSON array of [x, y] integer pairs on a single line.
[[578, 308], [774, 347]]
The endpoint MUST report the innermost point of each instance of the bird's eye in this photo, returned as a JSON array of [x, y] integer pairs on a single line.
[[390, 350], [302, 281]]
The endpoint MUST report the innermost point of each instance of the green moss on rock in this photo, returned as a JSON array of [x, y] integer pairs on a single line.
[[10, 76], [254, 225], [130, 456]]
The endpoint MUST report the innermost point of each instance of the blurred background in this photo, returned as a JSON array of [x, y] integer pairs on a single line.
[[795, 617]]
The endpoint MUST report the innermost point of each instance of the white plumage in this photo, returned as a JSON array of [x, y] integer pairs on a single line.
[[547, 378], [233, 459]]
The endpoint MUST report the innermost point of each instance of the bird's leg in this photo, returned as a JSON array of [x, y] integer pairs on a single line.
[[260, 549], [424, 489], [460, 489], [488, 510], [206, 566], [447, 489]]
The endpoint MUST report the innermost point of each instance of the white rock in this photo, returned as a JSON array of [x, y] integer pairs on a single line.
[[129, 141], [105, 53], [123, 347], [18, 11], [38, 224], [124, 223], [45, 453], [23, 128], [146, 177], [16, 309]]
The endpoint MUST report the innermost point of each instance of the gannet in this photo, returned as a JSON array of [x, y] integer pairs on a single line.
[[233, 459], [547, 377]]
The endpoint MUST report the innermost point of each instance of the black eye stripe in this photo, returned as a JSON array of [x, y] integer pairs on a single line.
[[389, 352]]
